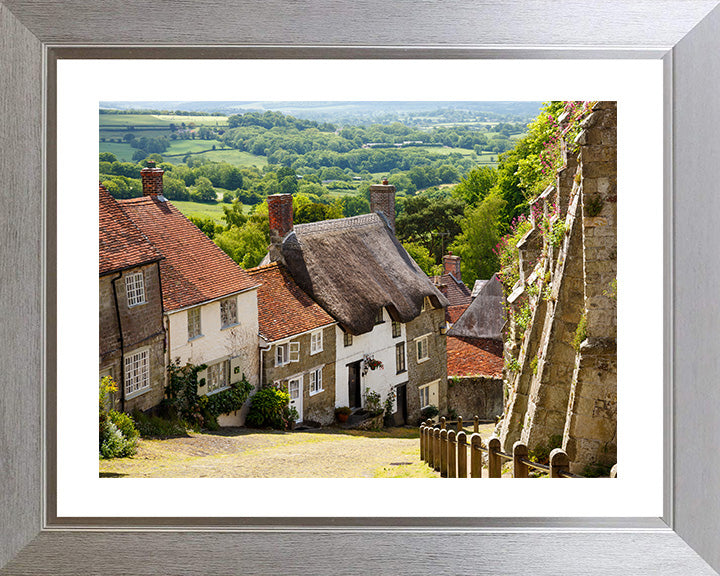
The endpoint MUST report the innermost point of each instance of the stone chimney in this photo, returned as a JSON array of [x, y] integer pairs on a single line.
[[280, 212], [382, 199], [152, 179], [451, 265]]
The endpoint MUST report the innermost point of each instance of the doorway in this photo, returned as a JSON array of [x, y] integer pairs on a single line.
[[354, 394], [401, 416]]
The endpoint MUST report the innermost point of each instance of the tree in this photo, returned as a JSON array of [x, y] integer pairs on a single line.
[[206, 225], [204, 191], [476, 184], [480, 235], [107, 157], [246, 244], [422, 257], [354, 205], [430, 222], [233, 215], [174, 188]]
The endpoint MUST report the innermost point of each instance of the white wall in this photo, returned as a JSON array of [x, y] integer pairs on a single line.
[[216, 343], [381, 345]]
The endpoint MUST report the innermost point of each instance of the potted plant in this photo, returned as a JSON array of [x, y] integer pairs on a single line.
[[342, 414]]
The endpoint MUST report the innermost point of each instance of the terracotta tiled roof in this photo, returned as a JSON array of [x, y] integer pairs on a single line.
[[194, 270], [474, 357], [122, 244], [283, 308], [456, 292], [453, 313]]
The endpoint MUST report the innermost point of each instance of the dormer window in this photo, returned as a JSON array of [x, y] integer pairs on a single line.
[[379, 318], [427, 305]]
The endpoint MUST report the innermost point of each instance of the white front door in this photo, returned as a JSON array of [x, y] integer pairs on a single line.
[[295, 389]]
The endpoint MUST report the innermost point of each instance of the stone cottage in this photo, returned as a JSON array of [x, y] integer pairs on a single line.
[[475, 355], [297, 346], [132, 335], [390, 318], [209, 302]]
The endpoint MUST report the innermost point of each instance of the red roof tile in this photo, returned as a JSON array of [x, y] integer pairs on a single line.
[[456, 292], [474, 357], [453, 313], [283, 308], [194, 270], [122, 244]]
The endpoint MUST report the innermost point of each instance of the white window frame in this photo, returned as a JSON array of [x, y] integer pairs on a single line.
[[287, 353], [235, 320], [315, 381], [316, 342], [135, 289], [199, 323], [424, 393], [137, 367], [422, 342], [223, 367]]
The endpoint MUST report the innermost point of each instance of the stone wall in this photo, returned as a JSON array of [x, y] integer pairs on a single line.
[[430, 370], [476, 396], [142, 328], [562, 381]]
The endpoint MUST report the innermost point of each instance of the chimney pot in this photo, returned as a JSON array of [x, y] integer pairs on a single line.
[[382, 199]]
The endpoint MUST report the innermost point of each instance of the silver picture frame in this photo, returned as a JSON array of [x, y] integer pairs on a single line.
[[684, 34]]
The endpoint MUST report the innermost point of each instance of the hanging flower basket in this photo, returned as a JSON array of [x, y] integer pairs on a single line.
[[369, 363]]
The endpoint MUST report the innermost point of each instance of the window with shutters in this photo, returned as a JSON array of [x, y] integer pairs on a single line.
[[286, 353], [218, 376]]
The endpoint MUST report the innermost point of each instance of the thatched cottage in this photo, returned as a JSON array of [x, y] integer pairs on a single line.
[[389, 337], [132, 337], [209, 302]]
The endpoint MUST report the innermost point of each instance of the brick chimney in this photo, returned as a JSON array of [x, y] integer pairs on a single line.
[[451, 265], [280, 211], [382, 199], [152, 179]]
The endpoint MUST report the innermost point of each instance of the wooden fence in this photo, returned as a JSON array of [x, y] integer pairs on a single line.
[[446, 451]]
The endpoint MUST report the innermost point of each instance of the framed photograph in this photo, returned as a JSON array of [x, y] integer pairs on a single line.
[[658, 64]]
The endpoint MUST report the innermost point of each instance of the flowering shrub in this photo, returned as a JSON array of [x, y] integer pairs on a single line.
[[369, 363], [270, 408], [507, 253], [118, 436]]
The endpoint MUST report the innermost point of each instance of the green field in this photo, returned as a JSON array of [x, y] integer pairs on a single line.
[[236, 157], [124, 152], [199, 120], [185, 146], [202, 210]]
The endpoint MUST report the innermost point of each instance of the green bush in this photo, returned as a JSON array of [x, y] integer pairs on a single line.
[[113, 443], [428, 413], [269, 408]]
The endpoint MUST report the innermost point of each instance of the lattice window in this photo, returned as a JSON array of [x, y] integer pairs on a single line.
[[135, 289], [316, 381], [137, 372], [194, 326]]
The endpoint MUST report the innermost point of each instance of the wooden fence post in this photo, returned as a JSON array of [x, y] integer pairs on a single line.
[[436, 448], [559, 462], [462, 454], [451, 455], [475, 456], [520, 469], [429, 445], [460, 424], [443, 452], [422, 442], [494, 462], [442, 422], [613, 472], [476, 425]]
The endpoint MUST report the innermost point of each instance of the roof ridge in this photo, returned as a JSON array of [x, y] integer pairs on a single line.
[[339, 223]]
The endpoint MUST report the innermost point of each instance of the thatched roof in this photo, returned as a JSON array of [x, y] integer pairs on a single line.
[[485, 317], [353, 267]]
